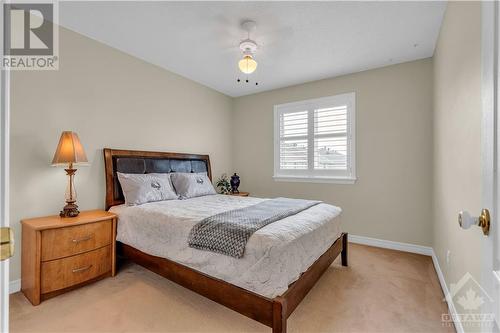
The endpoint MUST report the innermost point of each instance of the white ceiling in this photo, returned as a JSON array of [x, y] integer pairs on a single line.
[[298, 41]]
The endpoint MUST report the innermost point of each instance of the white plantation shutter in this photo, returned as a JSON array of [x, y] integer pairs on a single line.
[[314, 139], [293, 140], [330, 138]]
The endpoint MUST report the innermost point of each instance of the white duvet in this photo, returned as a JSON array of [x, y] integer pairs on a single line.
[[275, 255]]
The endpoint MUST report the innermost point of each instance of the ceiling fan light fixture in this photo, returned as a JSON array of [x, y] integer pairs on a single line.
[[247, 65]]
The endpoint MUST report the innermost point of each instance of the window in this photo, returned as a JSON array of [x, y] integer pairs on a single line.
[[314, 140]]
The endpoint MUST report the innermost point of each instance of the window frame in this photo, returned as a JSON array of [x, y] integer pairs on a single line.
[[310, 174]]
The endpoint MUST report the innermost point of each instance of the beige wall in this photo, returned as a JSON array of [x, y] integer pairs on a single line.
[[392, 198], [457, 132], [111, 100]]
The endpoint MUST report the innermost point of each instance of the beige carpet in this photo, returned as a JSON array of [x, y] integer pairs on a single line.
[[381, 291]]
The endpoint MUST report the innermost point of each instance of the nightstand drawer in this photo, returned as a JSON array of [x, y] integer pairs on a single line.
[[63, 242], [67, 272]]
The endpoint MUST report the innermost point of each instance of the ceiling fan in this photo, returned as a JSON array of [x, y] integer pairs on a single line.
[[248, 47]]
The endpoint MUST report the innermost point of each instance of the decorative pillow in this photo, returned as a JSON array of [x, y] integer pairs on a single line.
[[190, 185], [141, 188]]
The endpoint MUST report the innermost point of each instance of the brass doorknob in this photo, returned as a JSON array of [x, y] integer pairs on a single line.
[[466, 221], [6, 243], [484, 221]]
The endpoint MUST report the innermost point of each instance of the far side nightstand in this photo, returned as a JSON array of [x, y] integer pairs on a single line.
[[240, 194]]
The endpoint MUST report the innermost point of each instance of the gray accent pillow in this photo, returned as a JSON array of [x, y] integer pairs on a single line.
[[139, 188], [190, 185]]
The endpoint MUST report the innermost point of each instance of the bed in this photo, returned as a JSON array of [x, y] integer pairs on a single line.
[[282, 261]]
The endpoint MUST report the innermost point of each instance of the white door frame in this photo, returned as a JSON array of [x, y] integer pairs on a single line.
[[4, 183], [489, 152], [4, 194]]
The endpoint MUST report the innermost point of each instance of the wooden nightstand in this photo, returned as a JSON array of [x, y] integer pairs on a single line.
[[60, 254], [241, 194]]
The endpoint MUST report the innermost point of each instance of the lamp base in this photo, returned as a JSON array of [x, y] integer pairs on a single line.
[[70, 210]]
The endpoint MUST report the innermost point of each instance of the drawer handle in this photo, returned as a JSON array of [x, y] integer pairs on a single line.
[[89, 237], [81, 269]]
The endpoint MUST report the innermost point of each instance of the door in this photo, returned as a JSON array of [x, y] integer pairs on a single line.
[[4, 221], [490, 143], [4, 177]]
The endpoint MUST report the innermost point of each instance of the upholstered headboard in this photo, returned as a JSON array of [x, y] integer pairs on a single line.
[[135, 161]]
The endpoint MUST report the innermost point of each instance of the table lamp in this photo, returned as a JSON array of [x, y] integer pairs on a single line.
[[69, 152]]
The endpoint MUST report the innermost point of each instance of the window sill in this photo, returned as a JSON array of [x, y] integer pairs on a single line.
[[326, 180]]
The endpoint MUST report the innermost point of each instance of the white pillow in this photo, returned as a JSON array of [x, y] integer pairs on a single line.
[[190, 185], [141, 188]]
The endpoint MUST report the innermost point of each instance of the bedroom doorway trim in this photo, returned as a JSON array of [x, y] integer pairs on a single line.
[[4, 188], [4, 183], [490, 143]]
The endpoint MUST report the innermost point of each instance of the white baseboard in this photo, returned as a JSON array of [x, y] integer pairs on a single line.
[[451, 305], [406, 247], [14, 286]]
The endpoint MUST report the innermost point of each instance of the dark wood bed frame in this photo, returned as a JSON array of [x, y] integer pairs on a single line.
[[270, 312]]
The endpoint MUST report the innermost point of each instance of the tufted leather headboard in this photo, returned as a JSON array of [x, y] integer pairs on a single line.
[[135, 161]]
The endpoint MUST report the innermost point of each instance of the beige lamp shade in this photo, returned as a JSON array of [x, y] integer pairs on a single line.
[[69, 150]]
